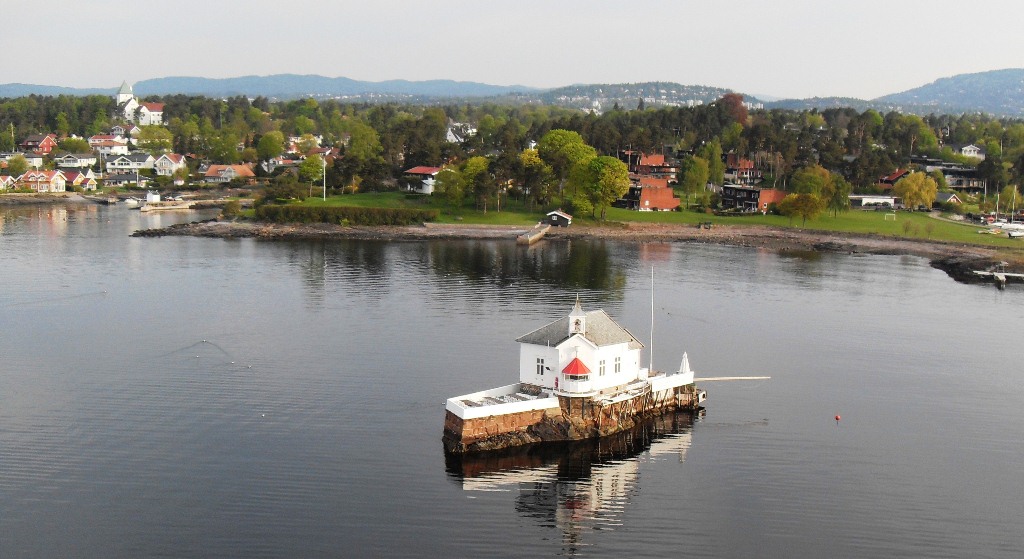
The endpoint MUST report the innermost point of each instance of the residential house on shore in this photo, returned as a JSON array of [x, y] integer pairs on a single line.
[[43, 181], [421, 179], [649, 194], [750, 198], [226, 173]]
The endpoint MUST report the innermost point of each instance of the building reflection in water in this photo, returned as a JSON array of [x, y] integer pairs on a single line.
[[579, 486]]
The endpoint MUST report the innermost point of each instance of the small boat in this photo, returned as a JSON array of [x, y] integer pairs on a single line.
[[133, 202], [1015, 234], [165, 206]]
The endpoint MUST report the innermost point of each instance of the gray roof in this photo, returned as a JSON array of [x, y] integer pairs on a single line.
[[125, 88], [600, 329]]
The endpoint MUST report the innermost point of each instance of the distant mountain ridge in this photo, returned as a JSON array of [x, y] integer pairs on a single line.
[[997, 92]]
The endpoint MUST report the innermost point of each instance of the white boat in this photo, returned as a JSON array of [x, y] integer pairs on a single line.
[[165, 206], [133, 202]]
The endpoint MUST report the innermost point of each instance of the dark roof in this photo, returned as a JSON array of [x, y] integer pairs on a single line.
[[600, 329]]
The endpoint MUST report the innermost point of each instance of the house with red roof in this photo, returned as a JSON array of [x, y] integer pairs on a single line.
[[421, 179], [150, 114], [740, 170], [168, 163], [108, 144], [6, 182], [649, 194], [43, 181], [227, 173], [888, 181]]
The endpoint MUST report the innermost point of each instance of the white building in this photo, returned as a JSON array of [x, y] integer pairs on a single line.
[[145, 114], [581, 354]]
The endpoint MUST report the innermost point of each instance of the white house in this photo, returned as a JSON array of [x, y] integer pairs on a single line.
[[425, 176], [168, 163], [108, 144], [582, 354], [6, 182], [76, 160], [971, 150], [131, 162]]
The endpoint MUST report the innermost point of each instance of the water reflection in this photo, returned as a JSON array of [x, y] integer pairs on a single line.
[[570, 264], [575, 487]]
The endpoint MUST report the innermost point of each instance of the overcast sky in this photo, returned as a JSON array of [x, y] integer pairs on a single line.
[[784, 48]]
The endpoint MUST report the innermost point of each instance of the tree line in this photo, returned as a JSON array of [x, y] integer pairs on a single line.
[[378, 141]]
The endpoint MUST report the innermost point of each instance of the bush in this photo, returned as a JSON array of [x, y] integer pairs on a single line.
[[231, 209], [343, 215]]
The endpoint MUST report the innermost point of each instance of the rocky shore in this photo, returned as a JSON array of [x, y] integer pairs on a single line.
[[956, 259]]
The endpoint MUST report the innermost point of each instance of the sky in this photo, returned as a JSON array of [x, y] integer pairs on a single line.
[[778, 48]]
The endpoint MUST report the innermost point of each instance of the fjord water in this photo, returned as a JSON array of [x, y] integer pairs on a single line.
[[185, 397]]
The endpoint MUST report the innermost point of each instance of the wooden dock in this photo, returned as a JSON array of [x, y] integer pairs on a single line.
[[533, 235], [1000, 278]]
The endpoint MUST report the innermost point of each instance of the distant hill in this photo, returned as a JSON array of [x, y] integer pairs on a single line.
[[12, 90], [282, 86], [293, 85], [999, 92]]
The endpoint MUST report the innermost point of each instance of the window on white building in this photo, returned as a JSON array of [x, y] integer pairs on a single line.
[[540, 366], [600, 368], [618, 364]]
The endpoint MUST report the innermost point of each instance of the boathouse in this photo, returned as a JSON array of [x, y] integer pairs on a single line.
[[558, 218]]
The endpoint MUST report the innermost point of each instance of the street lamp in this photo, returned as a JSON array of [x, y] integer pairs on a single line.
[[325, 177]]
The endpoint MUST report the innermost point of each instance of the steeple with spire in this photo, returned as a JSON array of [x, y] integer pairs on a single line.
[[577, 319]]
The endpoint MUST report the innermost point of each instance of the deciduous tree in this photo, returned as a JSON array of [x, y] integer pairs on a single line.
[[694, 176], [609, 181], [916, 189], [563, 150]]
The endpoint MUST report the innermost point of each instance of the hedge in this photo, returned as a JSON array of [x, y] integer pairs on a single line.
[[343, 215]]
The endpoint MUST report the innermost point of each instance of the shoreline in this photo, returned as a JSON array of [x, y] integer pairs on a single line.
[[957, 260]]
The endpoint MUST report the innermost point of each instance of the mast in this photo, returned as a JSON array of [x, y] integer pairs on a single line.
[[650, 365]]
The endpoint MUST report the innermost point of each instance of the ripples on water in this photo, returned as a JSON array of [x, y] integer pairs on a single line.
[[200, 397]]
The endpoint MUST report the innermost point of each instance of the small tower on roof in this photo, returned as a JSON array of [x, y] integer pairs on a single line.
[[577, 319]]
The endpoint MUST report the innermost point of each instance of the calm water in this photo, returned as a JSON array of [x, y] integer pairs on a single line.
[[182, 397]]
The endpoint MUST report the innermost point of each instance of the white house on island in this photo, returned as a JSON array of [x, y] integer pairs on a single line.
[[580, 355]]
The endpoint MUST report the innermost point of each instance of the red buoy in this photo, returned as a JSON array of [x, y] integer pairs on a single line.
[[838, 418]]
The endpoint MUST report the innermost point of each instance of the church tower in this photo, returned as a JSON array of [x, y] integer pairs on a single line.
[[124, 94]]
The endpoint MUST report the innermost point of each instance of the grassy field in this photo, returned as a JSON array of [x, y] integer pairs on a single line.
[[912, 225]]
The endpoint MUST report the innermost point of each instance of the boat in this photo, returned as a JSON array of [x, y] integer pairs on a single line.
[[165, 205], [133, 202], [580, 377]]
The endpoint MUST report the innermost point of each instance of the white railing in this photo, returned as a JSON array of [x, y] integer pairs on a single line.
[[488, 402]]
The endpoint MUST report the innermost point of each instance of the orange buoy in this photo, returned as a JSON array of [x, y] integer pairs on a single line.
[[838, 418]]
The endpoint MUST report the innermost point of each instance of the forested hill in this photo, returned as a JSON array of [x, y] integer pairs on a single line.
[[999, 92], [283, 86]]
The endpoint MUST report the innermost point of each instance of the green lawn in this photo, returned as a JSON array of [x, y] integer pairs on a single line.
[[914, 225]]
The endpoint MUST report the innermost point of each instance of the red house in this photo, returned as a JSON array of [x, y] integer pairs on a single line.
[[40, 143], [649, 194]]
